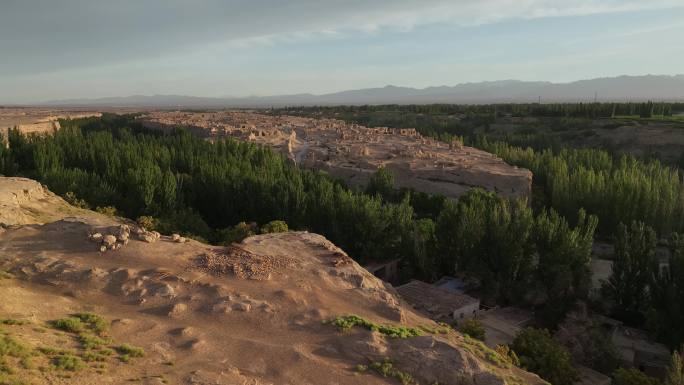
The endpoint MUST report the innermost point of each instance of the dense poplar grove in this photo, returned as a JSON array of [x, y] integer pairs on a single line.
[[616, 189]]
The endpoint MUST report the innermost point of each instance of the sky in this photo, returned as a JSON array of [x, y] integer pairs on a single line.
[[63, 49]]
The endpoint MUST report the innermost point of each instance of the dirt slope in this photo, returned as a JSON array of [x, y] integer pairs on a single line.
[[249, 314]]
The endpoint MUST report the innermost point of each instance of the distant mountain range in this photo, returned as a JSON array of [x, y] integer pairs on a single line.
[[621, 88]]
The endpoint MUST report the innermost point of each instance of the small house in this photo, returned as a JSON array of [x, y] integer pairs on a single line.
[[503, 324], [438, 304]]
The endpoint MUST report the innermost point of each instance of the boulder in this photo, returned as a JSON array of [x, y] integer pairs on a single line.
[[149, 236], [109, 240], [97, 237]]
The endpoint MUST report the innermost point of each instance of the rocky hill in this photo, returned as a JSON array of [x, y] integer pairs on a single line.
[[89, 299]]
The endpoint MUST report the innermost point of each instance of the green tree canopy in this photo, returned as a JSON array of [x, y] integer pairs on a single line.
[[539, 353]]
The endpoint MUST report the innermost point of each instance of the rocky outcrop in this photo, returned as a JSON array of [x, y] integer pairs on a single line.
[[257, 307], [24, 201]]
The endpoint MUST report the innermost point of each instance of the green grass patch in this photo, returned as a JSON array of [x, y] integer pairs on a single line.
[[349, 321], [442, 328], [89, 341], [52, 352], [481, 350], [6, 379], [5, 275], [69, 324], [94, 322], [80, 322], [130, 351], [386, 369], [14, 322], [107, 351], [68, 362], [91, 356], [13, 348]]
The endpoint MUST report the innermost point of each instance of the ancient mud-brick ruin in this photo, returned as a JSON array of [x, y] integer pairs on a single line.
[[353, 152]]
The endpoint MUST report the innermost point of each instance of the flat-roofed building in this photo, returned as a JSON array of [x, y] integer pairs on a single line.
[[439, 304], [503, 324]]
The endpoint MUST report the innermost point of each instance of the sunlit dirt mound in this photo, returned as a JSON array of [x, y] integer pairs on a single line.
[[88, 299]]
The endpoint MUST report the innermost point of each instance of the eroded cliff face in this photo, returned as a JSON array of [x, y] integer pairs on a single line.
[[38, 120], [353, 152], [24, 201], [251, 313]]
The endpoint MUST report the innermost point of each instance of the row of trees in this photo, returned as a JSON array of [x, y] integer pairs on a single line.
[[196, 186], [617, 190], [646, 289], [574, 110]]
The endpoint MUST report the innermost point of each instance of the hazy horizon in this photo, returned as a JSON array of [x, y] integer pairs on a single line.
[[92, 49]]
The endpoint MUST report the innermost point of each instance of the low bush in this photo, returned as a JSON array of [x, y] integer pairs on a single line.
[[69, 324], [130, 350], [274, 227], [68, 362], [349, 321], [473, 328], [386, 369]]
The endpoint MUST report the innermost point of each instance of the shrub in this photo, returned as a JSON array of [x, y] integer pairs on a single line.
[[92, 342], [8, 380], [80, 322], [473, 328], [349, 321], [12, 321], [91, 356], [508, 354], [386, 369], [5, 275], [632, 376], [13, 348], [69, 324], [274, 227], [539, 353], [235, 234], [71, 198], [109, 211], [68, 362], [95, 322], [148, 222], [130, 350]]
